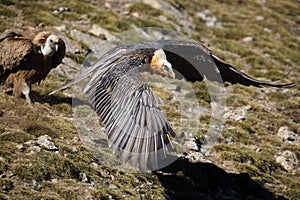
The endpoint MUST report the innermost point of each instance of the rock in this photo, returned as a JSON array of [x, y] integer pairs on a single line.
[[54, 180], [95, 44], [61, 28], [33, 149], [237, 114], [259, 18], [201, 15], [176, 12], [34, 185], [135, 15], [72, 46], [209, 20], [211, 139], [191, 148], [267, 30], [69, 68], [46, 142], [61, 10], [83, 177], [248, 39], [100, 32], [94, 165], [20, 147], [289, 161], [112, 186], [2, 159], [162, 18], [190, 142], [286, 135], [76, 141], [107, 5]]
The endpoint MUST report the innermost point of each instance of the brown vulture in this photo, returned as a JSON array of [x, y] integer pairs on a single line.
[[26, 56], [129, 109]]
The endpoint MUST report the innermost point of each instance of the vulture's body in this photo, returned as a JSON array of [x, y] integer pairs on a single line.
[[128, 107], [26, 56]]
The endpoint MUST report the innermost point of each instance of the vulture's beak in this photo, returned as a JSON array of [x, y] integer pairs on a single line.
[[168, 68], [56, 46]]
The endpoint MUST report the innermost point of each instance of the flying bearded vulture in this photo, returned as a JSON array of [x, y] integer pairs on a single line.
[[26, 56], [128, 107]]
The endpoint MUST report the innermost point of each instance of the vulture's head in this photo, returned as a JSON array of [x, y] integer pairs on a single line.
[[160, 65], [51, 45]]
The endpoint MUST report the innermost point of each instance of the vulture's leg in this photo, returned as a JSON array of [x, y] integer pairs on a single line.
[[8, 86], [26, 90], [17, 87], [21, 87], [6, 89]]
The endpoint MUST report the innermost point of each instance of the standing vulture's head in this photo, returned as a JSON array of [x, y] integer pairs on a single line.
[[160, 65], [51, 45]]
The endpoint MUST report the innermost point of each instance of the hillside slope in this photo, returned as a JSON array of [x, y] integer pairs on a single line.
[[42, 156]]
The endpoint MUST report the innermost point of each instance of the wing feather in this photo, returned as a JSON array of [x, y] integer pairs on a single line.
[[194, 61], [233, 75], [13, 52], [128, 109]]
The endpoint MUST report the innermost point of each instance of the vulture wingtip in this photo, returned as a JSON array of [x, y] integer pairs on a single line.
[[51, 93]]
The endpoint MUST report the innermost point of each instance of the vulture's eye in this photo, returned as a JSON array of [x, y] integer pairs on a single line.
[[166, 67]]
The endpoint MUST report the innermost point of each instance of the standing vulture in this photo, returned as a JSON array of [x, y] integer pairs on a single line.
[[26, 56], [129, 109]]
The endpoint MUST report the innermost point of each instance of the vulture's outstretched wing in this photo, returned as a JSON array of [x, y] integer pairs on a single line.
[[128, 107], [194, 61], [232, 75]]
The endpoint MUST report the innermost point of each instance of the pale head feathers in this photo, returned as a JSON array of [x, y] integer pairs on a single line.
[[50, 46], [160, 65], [41, 37]]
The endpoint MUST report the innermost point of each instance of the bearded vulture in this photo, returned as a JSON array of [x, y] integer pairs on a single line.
[[26, 56], [129, 109]]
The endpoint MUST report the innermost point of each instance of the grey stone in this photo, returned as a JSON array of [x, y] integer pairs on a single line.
[[288, 160]]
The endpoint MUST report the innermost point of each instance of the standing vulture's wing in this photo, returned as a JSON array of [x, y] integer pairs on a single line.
[[194, 61], [37, 35], [13, 51]]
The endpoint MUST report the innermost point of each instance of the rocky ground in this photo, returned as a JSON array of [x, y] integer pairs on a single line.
[[44, 156]]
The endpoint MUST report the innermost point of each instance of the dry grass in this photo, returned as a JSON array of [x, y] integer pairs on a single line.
[[271, 55]]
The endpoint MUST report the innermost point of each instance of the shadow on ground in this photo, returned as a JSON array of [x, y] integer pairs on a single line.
[[51, 99], [54, 99], [185, 180]]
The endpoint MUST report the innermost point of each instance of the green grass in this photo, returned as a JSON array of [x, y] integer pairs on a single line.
[[270, 56], [111, 21], [145, 9]]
